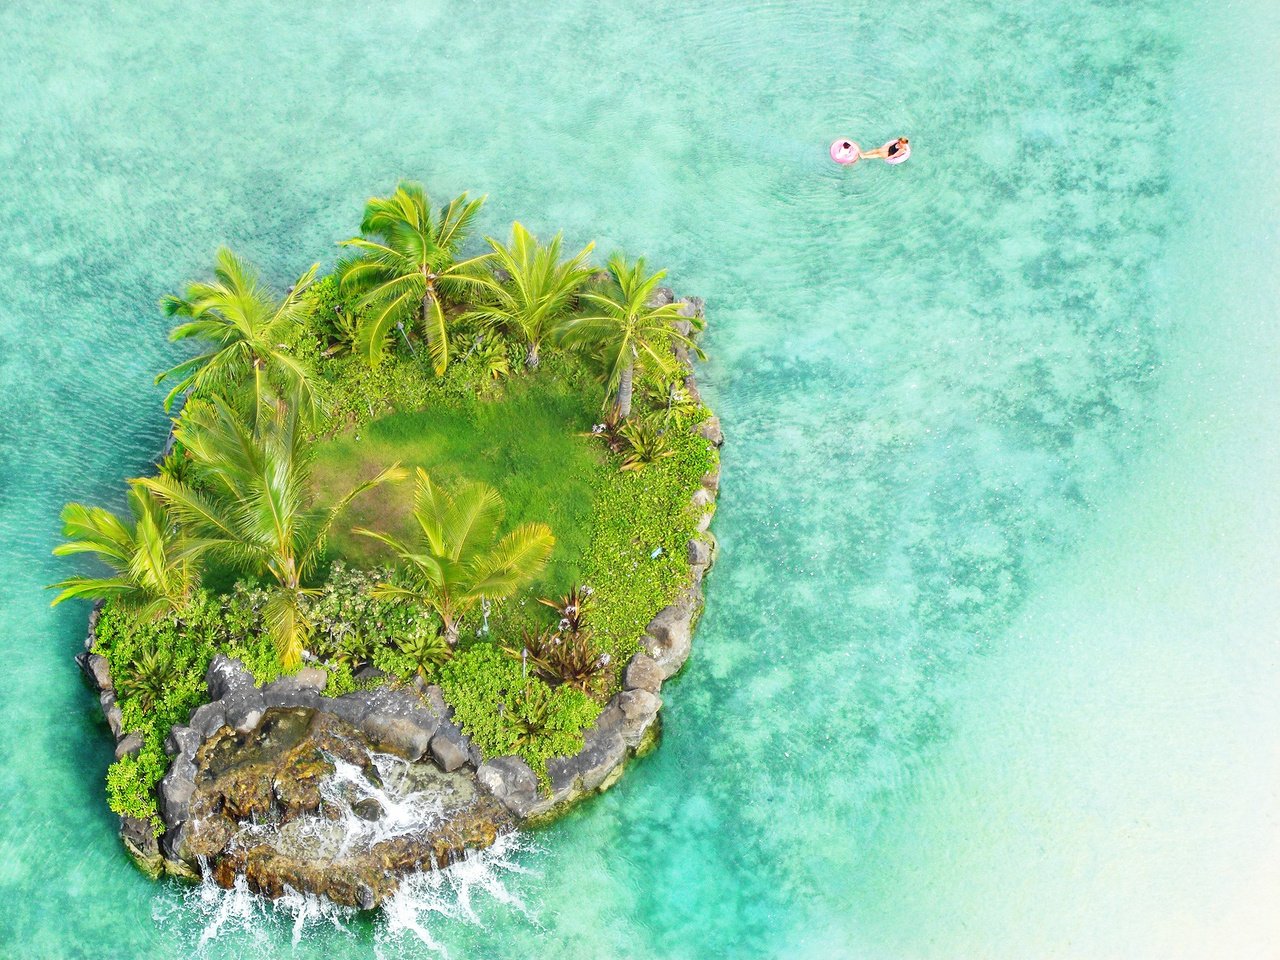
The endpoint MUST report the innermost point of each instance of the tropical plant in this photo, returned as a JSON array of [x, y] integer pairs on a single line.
[[330, 318], [533, 718], [404, 265], [535, 646], [352, 649], [154, 566], [343, 333], [530, 290], [644, 440], [177, 465], [148, 677], [245, 328], [255, 507], [627, 330], [563, 658], [460, 559], [609, 430], [572, 608], [670, 399], [493, 358], [420, 655], [576, 663]]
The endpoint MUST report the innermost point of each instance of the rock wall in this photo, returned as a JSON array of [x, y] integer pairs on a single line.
[[415, 723]]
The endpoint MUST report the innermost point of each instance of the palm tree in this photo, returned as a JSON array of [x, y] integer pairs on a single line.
[[460, 560], [405, 264], [245, 327], [154, 568], [627, 330], [255, 505], [538, 291]]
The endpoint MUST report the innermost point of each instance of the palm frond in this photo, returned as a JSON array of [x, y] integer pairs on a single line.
[[471, 519], [435, 330], [287, 625], [150, 558], [517, 558], [242, 322]]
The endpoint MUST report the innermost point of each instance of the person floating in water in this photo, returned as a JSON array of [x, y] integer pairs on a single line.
[[895, 151]]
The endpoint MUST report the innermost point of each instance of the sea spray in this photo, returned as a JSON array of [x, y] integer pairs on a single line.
[[404, 797], [441, 898], [401, 799], [239, 923]]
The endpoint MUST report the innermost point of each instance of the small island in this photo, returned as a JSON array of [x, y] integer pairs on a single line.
[[426, 540]]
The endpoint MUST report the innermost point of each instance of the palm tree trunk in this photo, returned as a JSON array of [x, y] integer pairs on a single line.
[[625, 386], [531, 356], [451, 630]]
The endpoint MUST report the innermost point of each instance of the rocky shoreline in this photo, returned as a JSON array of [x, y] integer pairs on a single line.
[[223, 781]]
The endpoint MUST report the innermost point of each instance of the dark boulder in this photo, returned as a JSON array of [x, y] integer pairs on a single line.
[[96, 670], [130, 743]]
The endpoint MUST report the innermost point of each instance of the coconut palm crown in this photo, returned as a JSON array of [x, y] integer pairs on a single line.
[[153, 568], [244, 327], [255, 507], [460, 559], [628, 330], [531, 290], [405, 263]]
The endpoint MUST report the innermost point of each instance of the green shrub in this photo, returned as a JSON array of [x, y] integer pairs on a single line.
[[341, 680], [349, 624], [420, 655], [331, 320], [132, 780], [505, 712], [174, 654]]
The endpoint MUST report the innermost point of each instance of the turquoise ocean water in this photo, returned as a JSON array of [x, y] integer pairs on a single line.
[[989, 663]]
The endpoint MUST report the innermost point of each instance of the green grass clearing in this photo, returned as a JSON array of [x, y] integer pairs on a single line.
[[527, 443]]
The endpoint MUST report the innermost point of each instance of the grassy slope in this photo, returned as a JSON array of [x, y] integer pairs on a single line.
[[623, 534], [527, 444]]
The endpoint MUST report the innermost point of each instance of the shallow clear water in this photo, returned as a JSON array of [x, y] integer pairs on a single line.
[[987, 664]]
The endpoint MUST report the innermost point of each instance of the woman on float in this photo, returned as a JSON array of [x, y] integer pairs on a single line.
[[895, 151]]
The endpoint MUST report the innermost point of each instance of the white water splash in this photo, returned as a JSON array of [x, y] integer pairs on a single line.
[[409, 799], [247, 924], [442, 897], [239, 923]]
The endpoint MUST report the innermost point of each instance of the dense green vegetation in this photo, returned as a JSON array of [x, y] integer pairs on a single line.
[[536, 720], [519, 566]]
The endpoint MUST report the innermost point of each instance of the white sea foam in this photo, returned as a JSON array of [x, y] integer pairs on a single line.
[[410, 797], [443, 897]]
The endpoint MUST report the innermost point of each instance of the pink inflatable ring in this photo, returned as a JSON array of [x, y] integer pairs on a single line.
[[845, 152], [898, 157]]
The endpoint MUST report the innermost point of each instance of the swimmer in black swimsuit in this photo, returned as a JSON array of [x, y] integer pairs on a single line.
[[888, 151]]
